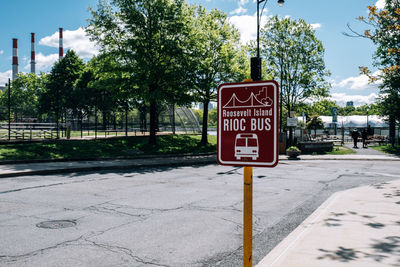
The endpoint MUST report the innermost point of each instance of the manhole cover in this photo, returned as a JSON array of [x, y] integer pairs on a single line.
[[57, 224]]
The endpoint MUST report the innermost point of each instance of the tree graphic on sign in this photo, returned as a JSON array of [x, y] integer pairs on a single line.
[[254, 101]]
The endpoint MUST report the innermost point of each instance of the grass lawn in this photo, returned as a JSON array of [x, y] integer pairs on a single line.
[[337, 150], [106, 148], [340, 150], [388, 149]]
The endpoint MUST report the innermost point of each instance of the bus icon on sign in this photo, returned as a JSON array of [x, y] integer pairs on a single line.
[[246, 146]]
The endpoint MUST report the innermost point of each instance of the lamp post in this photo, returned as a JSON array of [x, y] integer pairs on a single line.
[[256, 61], [255, 64]]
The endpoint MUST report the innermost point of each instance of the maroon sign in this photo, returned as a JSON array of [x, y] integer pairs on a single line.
[[248, 124]]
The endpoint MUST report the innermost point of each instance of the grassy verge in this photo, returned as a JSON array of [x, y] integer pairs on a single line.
[[340, 150], [106, 148], [388, 149], [337, 150]]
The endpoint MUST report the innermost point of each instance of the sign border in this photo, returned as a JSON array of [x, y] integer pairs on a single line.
[[275, 110]]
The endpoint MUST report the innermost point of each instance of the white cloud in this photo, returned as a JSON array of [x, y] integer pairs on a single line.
[[1, 52], [380, 4], [4, 76], [76, 40], [247, 26], [240, 9], [357, 83], [316, 25], [44, 62], [358, 100]]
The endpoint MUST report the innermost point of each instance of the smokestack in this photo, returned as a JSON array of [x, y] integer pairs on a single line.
[[61, 49], [33, 69], [15, 59]]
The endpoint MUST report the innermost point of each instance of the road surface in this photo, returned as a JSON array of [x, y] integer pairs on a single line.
[[188, 216]]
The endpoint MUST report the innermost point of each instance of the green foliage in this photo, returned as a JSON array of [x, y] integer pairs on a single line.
[[106, 148], [294, 53], [151, 40], [59, 95], [385, 34], [395, 150], [25, 90], [216, 57], [315, 123], [199, 114], [341, 150], [293, 149], [212, 117]]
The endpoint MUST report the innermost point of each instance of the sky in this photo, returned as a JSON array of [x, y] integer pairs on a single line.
[[343, 55]]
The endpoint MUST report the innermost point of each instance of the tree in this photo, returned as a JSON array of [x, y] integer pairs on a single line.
[[25, 91], [59, 94], [294, 56], [216, 58], [385, 33], [149, 38], [315, 123]]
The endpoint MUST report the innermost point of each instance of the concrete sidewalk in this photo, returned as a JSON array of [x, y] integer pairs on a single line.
[[357, 227]]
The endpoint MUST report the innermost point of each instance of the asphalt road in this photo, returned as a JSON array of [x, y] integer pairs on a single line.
[[188, 216]]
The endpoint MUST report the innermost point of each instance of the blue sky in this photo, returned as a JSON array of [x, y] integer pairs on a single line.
[[343, 54]]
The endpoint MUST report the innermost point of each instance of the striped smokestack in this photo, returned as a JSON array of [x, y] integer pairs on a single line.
[[33, 69], [61, 49], [15, 59]]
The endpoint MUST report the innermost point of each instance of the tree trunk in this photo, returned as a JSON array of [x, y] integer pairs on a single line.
[[392, 130], [204, 132], [153, 122], [81, 122], [173, 119], [95, 123], [104, 120], [126, 120]]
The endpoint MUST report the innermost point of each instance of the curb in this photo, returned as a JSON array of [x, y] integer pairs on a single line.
[[189, 162], [96, 159]]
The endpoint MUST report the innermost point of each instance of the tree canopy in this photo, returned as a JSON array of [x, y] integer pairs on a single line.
[[216, 57], [150, 38], [295, 56]]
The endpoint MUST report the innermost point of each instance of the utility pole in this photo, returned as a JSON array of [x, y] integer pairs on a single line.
[[9, 109]]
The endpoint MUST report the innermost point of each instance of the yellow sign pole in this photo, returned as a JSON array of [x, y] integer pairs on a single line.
[[248, 217]]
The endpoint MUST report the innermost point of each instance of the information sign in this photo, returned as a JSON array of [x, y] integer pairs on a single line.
[[248, 124]]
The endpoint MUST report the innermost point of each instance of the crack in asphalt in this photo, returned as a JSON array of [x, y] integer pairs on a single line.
[[51, 185], [15, 258], [75, 242], [126, 251]]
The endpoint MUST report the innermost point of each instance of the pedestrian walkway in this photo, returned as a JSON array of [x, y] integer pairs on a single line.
[[357, 227], [364, 151]]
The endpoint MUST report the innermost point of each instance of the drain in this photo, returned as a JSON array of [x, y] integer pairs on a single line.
[[56, 224]]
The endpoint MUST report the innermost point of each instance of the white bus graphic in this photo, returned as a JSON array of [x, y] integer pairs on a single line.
[[246, 146]]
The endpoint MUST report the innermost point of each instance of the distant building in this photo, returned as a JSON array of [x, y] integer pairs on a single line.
[[210, 106], [349, 104]]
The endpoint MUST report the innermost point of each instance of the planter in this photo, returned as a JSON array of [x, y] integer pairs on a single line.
[[293, 155], [319, 147]]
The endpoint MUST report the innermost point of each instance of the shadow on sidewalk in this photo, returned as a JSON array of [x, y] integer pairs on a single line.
[[383, 250]]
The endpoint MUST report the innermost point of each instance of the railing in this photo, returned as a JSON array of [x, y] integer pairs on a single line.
[[28, 131]]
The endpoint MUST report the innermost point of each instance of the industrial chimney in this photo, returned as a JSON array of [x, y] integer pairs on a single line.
[[61, 49], [33, 69], [15, 59]]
